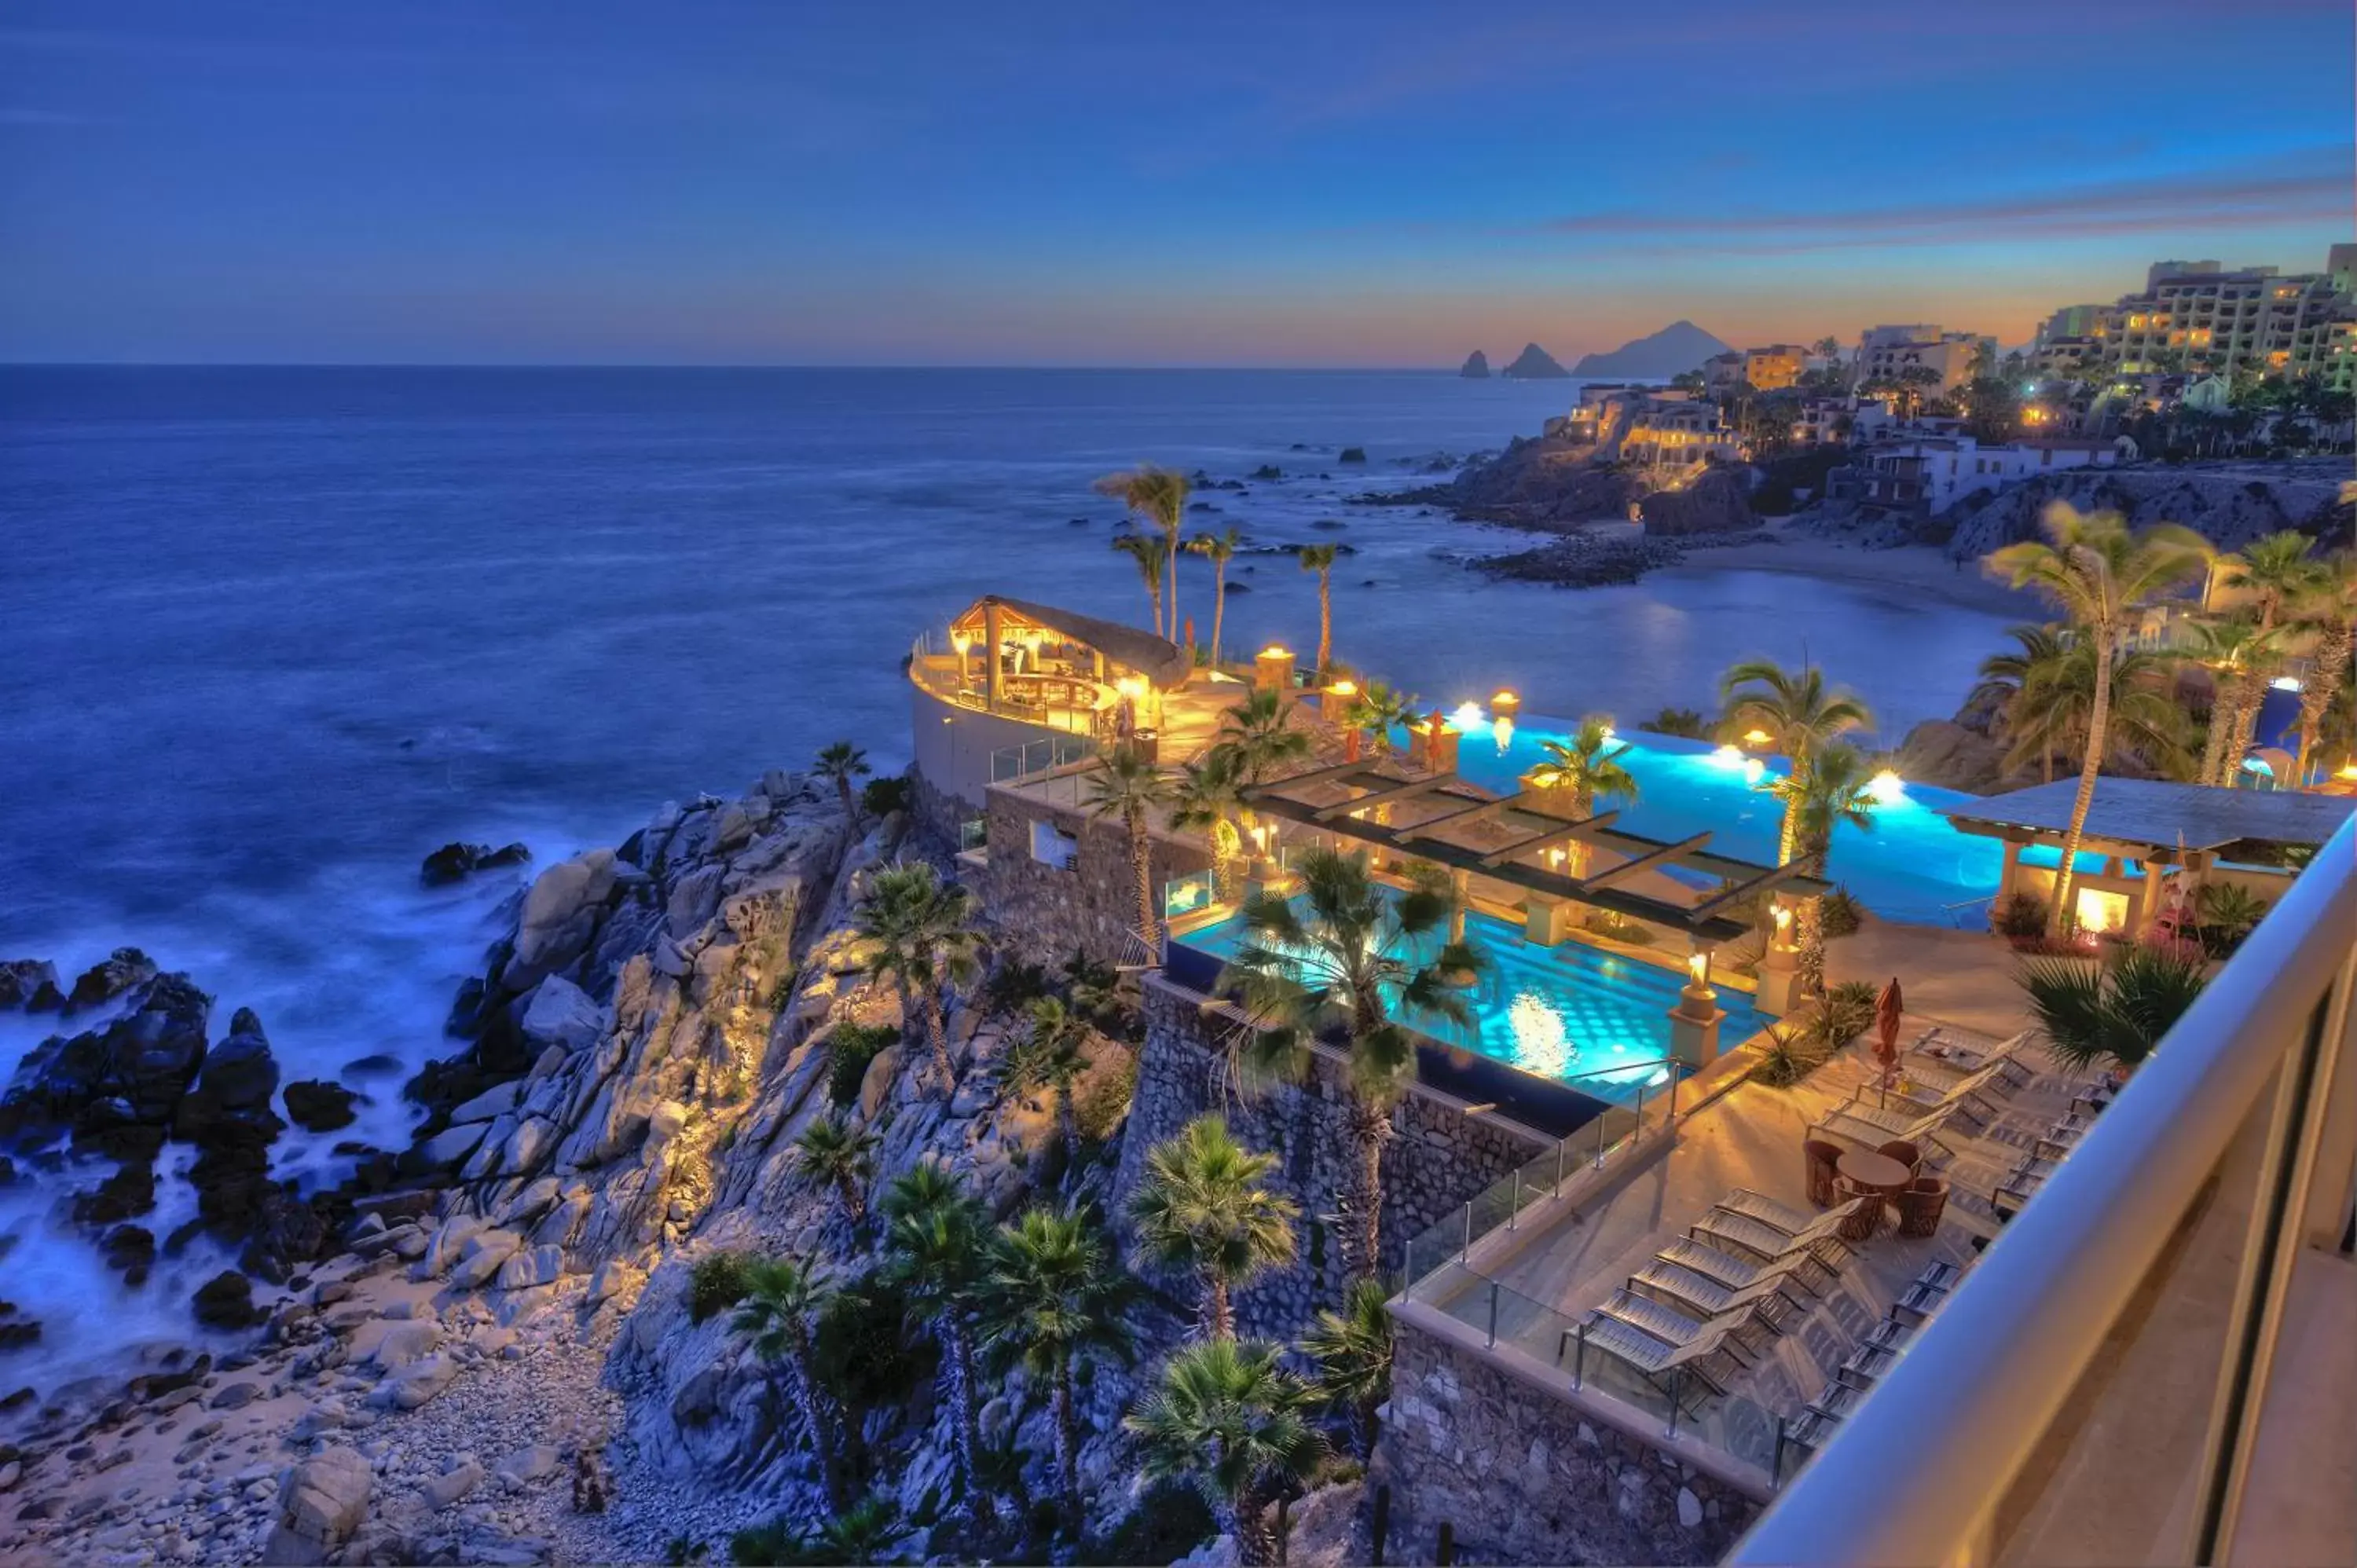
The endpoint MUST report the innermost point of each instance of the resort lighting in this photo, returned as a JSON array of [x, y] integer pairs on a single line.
[[1467, 718], [1277, 651], [1784, 919], [1699, 965], [1503, 728], [1754, 771], [1343, 689], [1887, 788], [1130, 686], [1729, 757], [1505, 705], [2285, 683], [1757, 738], [2348, 770]]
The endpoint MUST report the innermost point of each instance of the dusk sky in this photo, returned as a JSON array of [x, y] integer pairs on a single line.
[[1217, 182]]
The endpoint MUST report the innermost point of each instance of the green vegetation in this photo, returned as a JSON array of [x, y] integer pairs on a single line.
[[1158, 497], [869, 1532], [1219, 549], [882, 797], [1126, 785], [1151, 556], [1325, 969], [1834, 790], [1169, 1522], [921, 939], [717, 1282], [1206, 796], [1587, 768], [849, 1049], [838, 1156], [776, 1317], [1684, 722], [1353, 1349], [1320, 559], [1050, 1057], [842, 762], [1842, 914], [1791, 1054], [2095, 1013], [936, 1252], [2227, 913], [1202, 1206], [1233, 1422]]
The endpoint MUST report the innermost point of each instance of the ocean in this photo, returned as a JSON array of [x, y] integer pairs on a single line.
[[268, 636]]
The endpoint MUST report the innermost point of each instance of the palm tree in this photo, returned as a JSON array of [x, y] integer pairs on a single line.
[[1835, 790], [836, 1155], [1375, 710], [1128, 786], [2237, 651], [1320, 558], [1051, 1056], [2093, 1013], [1227, 1417], [1798, 714], [2279, 568], [1219, 549], [1352, 1349], [1331, 970], [923, 940], [783, 1299], [2004, 676], [1159, 496], [1588, 766], [937, 1251], [1052, 1296], [2048, 716], [1259, 732], [1151, 555], [1200, 1206], [1829, 347], [2100, 575], [842, 762], [1208, 798], [2329, 608]]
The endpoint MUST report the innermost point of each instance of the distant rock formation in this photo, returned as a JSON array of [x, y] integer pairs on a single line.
[[1676, 348], [1719, 501], [1533, 363], [1476, 367], [2229, 505]]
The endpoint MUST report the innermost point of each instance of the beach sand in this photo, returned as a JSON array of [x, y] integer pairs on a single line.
[[1921, 574]]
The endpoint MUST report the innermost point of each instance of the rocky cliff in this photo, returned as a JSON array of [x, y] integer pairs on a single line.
[[2230, 505]]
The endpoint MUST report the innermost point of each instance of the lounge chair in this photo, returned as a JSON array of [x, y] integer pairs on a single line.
[[1872, 1126], [1667, 1324], [1660, 1364], [1698, 1292], [1767, 1211], [1821, 1240], [1939, 1057], [1737, 1273]]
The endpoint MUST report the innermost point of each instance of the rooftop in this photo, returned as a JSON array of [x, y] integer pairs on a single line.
[[2159, 814]]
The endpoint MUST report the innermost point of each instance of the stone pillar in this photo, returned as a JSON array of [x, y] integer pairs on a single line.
[[1273, 669], [2005, 874], [1779, 964], [2148, 899], [1694, 1022], [992, 629], [1548, 920]]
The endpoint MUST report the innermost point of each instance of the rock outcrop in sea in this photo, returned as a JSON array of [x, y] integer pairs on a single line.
[[1533, 363], [1476, 367]]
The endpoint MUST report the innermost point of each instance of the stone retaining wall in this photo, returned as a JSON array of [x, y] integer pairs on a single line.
[[1049, 909], [1522, 1478], [1439, 1158]]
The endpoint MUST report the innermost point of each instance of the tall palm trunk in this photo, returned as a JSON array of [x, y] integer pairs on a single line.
[[1363, 1200], [1068, 1124], [2324, 684], [1325, 619], [2222, 725], [2248, 695], [1248, 1522], [1068, 1465], [1154, 587], [2062, 917], [1141, 868], [853, 1201], [1218, 1306], [937, 1035], [1808, 931], [1170, 553], [1219, 606], [797, 1384], [966, 1421]]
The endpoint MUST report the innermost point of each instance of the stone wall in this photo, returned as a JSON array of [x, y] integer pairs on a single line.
[[1439, 1158], [1522, 1478], [1049, 909]]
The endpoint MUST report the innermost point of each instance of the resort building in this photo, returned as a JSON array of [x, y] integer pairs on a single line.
[[2201, 313], [1678, 435], [1888, 353], [1925, 476], [1850, 419], [1771, 368]]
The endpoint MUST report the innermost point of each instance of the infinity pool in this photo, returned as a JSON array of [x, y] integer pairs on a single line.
[[1564, 1013], [1911, 866]]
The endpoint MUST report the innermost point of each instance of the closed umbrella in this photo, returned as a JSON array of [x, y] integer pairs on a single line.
[[1888, 1008]]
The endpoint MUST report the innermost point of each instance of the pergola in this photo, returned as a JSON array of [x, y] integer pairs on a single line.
[[1041, 657], [1522, 841], [2159, 825]]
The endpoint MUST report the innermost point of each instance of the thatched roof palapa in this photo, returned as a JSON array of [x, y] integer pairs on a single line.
[[1160, 660]]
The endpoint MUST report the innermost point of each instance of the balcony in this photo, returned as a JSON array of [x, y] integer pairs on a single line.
[[2153, 1362]]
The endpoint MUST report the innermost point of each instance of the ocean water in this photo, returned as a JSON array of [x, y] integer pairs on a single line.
[[269, 636]]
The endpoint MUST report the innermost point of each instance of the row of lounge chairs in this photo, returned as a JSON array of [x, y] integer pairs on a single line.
[[1875, 1356], [1978, 1093], [1711, 1300]]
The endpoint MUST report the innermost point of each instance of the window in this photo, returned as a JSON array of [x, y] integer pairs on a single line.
[[1051, 845]]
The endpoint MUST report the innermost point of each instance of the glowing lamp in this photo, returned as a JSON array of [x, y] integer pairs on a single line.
[[1699, 965], [1467, 716], [1784, 919], [2285, 683], [1505, 704], [1502, 730], [1343, 689], [1277, 651], [1727, 756], [960, 640], [1887, 788], [1130, 686], [2348, 772], [1757, 738], [1754, 771]]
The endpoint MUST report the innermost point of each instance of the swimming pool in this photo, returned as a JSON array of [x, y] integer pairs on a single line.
[[1571, 1013], [1912, 865]]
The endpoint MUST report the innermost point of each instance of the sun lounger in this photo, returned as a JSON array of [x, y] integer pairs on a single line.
[[1821, 1238], [1747, 1327], [1871, 1126], [1660, 1364], [1726, 1269], [1938, 1055], [1759, 1206], [1683, 1287]]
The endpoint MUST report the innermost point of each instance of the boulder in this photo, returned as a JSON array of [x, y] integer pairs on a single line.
[[480, 1258], [446, 1148], [561, 1013], [225, 1300], [528, 1267], [1944, 753], [559, 917], [406, 1341], [318, 1106], [455, 862], [409, 1387], [525, 1465], [111, 977], [22, 978], [490, 1105], [321, 1503], [104, 1082], [440, 1491]]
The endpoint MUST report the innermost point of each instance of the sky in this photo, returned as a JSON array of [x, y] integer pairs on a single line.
[[764, 182]]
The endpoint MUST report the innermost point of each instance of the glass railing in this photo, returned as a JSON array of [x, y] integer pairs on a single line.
[[1013, 764], [2138, 1369], [1186, 895]]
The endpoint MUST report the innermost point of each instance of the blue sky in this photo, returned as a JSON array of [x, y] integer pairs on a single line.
[[1208, 184]]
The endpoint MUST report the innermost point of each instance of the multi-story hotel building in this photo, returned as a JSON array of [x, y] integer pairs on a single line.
[[1884, 353], [2202, 314]]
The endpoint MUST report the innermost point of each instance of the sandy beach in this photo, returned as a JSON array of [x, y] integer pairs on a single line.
[[1923, 573]]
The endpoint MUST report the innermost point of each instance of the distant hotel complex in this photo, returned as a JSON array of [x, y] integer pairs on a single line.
[[2203, 316]]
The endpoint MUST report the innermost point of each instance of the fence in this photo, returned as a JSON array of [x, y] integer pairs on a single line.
[[1013, 764]]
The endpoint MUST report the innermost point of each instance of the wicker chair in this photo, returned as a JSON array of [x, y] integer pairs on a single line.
[[1905, 1152], [1922, 1205], [1820, 1157]]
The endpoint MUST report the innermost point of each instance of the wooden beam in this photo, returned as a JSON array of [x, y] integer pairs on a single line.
[[1471, 814], [1315, 776], [1629, 868], [1742, 890], [1407, 791], [1566, 830]]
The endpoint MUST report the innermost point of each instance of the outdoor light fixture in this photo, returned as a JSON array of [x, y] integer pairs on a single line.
[[1784, 919], [1505, 705], [1887, 788], [2285, 683], [1754, 771], [1467, 716], [1343, 689], [1277, 651], [1729, 757], [1130, 686], [1757, 738]]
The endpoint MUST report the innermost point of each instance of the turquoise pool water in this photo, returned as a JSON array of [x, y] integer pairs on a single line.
[[1564, 1013], [1911, 866]]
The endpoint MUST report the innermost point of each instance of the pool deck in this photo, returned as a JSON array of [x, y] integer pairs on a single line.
[[1570, 1259]]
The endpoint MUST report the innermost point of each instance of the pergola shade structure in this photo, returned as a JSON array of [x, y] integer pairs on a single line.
[[1515, 840], [1048, 665]]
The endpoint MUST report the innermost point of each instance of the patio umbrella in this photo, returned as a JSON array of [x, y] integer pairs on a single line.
[[1888, 1008]]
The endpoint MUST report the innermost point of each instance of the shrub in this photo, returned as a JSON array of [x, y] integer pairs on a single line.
[[2020, 916], [1169, 1522], [781, 990], [719, 1282], [1013, 986], [1845, 1013], [1682, 722], [1790, 1056], [849, 1050], [863, 1353], [1838, 914], [2227, 914], [1620, 928], [882, 797], [1104, 1096]]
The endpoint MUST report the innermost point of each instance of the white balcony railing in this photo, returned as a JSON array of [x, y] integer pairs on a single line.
[[2153, 1362]]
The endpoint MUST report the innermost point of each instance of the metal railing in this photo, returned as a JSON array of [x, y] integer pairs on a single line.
[[2097, 1388], [1013, 764]]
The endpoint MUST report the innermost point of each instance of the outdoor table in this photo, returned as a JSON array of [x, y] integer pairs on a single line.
[[1878, 1174]]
